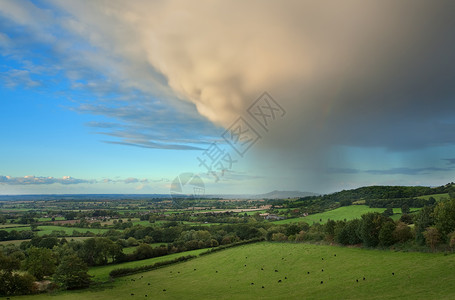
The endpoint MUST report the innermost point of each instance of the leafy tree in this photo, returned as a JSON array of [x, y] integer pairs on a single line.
[[423, 220], [432, 237], [13, 283], [72, 273], [405, 209], [370, 227], [386, 237], [406, 218], [388, 212], [40, 262], [444, 216], [402, 232]]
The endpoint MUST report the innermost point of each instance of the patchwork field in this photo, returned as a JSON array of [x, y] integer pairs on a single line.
[[293, 271]]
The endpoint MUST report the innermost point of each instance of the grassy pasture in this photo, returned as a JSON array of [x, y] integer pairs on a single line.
[[438, 197], [101, 273], [229, 274], [341, 213], [47, 229]]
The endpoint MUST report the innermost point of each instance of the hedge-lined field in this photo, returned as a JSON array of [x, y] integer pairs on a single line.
[[341, 213], [236, 274]]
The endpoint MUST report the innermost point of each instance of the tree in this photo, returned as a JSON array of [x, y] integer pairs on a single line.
[[72, 273], [402, 232], [388, 212], [13, 283], [386, 237], [444, 216], [370, 227], [405, 209], [432, 237], [423, 220], [40, 262]]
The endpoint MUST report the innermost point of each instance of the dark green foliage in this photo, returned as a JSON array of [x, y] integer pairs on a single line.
[[388, 212], [405, 209], [406, 218], [40, 262], [423, 220], [444, 216], [399, 202], [349, 234], [72, 273], [13, 283], [386, 237], [370, 227], [402, 233]]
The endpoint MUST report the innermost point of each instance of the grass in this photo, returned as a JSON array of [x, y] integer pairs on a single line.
[[50, 219], [346, 212], [129, 250], [47, 229], [438, 197], [223, 275], [14, 242], [101, 273]]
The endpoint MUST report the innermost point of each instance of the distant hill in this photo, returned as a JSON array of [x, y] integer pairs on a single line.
[[271, 195], [284, 195]]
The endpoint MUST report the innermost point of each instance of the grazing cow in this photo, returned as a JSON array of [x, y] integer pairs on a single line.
[[262, 286], [245, 265], [164, 290], [148, 283], [357, 280], [178, 272], [262, 269], [276, 270], [322, 270], [308, 272], [146, 296], [279, 280], [285, 278], [334, 255], [194, 269], [322, 282], [393, 273], [216, 271], [252, 283], [363, 278], [323, 258], [132, 294]]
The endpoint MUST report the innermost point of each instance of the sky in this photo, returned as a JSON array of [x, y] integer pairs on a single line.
[[244, 96]]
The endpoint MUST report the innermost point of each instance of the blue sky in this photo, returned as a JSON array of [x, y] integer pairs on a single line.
[[115, 97]]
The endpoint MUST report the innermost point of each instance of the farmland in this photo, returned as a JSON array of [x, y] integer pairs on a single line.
[[342, 213], [236, 274], [96, 244]]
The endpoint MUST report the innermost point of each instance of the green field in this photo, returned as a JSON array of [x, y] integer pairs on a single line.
[[102, 273], [128, 250], [346, 212], [236, 274], [438, 197], [47, 229]]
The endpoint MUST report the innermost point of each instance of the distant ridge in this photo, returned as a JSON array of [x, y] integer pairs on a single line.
[[285, 194], [81, 197], [270, 195]]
